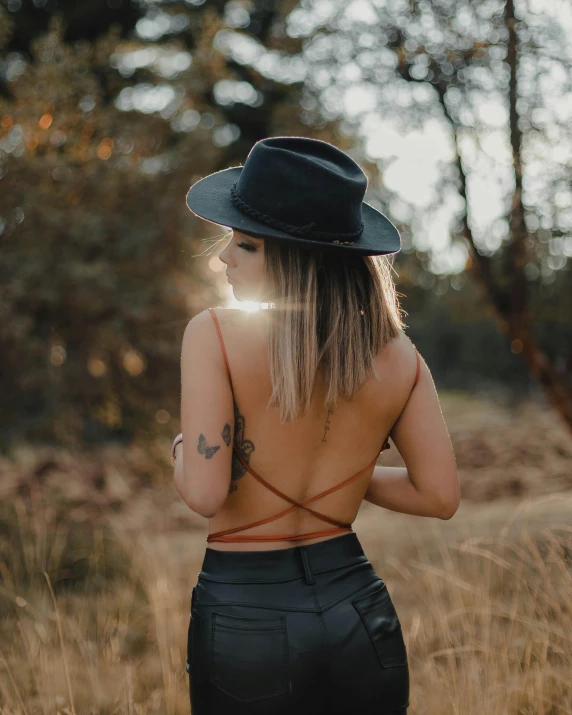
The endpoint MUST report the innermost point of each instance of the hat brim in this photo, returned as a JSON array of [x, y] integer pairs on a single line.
[[210, 199]]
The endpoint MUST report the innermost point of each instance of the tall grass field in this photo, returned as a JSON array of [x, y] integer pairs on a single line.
[[98, 556]]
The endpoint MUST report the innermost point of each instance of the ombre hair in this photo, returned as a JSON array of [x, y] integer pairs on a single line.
[[331, 311]]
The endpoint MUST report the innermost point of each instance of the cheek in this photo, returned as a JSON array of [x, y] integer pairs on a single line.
[[252, 277], [255, 268]]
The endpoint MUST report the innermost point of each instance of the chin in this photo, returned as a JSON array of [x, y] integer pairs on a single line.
[[237, 293], [244, 296]]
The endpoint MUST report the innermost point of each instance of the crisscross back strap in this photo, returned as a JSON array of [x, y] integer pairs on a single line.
[[225, 536], [341, 527]]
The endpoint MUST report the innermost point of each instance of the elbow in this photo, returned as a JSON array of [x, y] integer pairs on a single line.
[[203, 509], [202, 506], [449, 510], [449, 507], [205, 512], [208, 506], [450, 497]]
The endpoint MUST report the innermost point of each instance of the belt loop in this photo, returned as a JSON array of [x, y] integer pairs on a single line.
[[309, 576]]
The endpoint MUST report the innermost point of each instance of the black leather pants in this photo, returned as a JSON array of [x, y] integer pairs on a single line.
[[303, 631]]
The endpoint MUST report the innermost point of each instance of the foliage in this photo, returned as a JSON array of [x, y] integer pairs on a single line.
[[103, 127]]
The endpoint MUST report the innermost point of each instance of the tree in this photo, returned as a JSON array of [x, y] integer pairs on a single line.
[[440, 60], [98, 146]]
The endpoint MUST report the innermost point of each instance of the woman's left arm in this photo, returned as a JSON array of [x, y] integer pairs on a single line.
[[203, 476]]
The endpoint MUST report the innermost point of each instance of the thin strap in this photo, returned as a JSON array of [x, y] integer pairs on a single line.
[[223, 536], [222, 347], [305, 501], [341, 526], [220, 535]]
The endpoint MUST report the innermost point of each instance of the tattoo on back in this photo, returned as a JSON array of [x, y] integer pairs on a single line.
[[327, 425], [244, 446]]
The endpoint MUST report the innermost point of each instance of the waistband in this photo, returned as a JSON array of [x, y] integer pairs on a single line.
[[276, 565]]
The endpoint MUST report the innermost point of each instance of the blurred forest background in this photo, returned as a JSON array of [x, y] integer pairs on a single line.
[[460, 114], [109, 111]]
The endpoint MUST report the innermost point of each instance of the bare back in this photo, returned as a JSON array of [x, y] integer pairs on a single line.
[[312, 454]]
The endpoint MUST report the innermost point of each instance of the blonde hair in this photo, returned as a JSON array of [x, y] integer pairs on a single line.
[[327, 310]]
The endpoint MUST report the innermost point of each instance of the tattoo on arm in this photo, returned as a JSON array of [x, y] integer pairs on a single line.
[[204, 448]]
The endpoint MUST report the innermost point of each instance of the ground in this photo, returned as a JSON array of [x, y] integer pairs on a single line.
[[98, 555]]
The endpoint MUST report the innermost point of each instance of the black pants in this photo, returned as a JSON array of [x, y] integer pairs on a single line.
[[303, 631]]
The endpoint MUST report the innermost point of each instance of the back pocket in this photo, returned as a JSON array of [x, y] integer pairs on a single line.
[[249, 656], [383, 627]]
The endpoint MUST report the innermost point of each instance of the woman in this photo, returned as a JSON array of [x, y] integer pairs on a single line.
[[293, 618]]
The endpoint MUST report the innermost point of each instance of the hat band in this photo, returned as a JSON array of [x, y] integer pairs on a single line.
[[307, 231]]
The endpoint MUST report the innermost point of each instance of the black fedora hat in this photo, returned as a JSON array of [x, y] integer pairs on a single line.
[[296, 189]]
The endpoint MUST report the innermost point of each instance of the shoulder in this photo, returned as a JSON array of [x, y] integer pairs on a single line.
[[202, 326], [401, 346], [201, 318], [202, 347], [198, 325], [200, 331], [207, 316], [229, 318], [223, 315], [400, 355]]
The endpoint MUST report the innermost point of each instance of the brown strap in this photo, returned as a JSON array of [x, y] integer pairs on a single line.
[[310, 499], [341, 526], [276, 537], [222, 347]]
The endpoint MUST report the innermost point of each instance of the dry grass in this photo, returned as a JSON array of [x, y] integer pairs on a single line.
[[485, 603], [98, 556]]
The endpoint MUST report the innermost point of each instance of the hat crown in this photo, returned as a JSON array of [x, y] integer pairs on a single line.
[[303, 182], [297, 189]]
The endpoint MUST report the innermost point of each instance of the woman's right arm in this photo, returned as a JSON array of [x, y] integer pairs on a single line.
[[391, 488], [428, 485]]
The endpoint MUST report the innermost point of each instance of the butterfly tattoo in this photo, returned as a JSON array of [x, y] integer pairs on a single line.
[[204, 448]]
